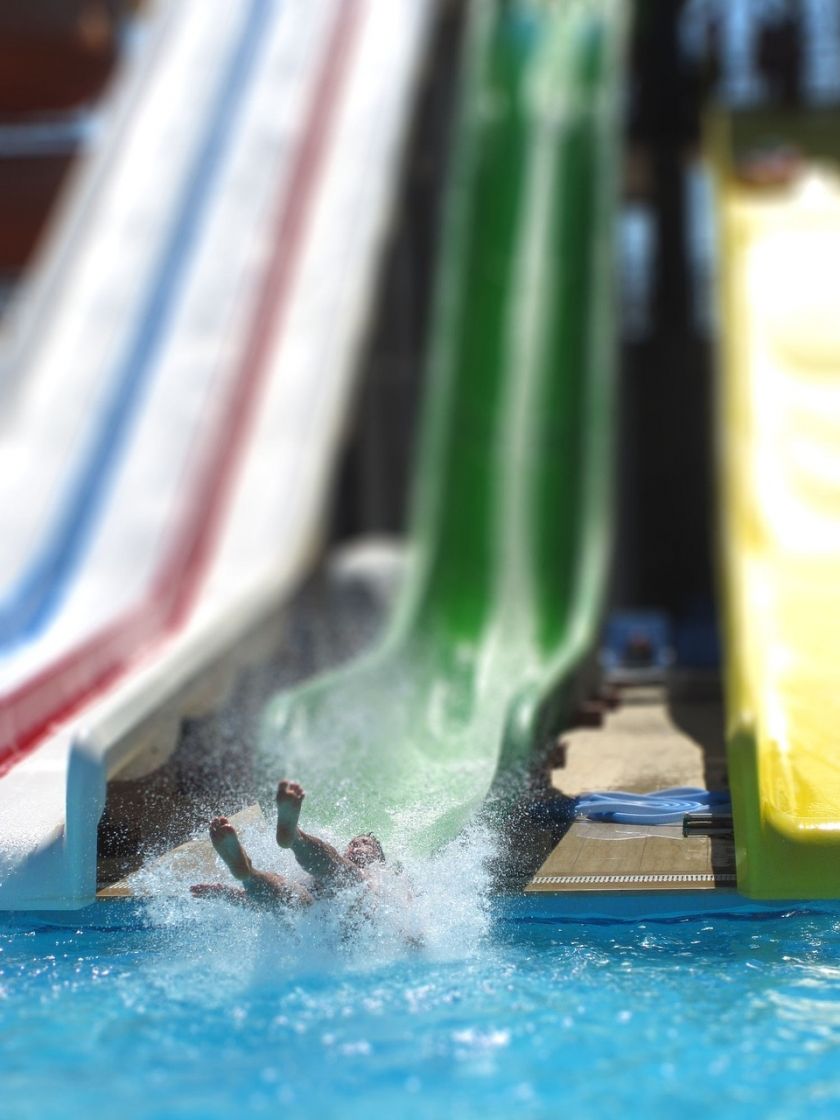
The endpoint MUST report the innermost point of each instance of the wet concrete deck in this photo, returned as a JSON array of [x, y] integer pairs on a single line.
[[656, 738], [192, 862]]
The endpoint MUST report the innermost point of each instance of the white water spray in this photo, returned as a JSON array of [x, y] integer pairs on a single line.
[[432, 907]]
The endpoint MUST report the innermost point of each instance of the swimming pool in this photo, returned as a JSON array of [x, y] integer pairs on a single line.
[[183, 1009]]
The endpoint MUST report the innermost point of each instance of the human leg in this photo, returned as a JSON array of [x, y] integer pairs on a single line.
[[317, 857], [261, 888]]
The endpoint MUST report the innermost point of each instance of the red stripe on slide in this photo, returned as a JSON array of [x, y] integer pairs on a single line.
[[58, 691]]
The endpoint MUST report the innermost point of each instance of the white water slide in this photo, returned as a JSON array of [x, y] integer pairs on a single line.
[[175, 386]]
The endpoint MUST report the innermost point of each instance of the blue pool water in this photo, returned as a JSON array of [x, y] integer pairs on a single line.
[[189, 1009]]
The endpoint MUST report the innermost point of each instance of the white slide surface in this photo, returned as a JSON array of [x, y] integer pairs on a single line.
[[181, 381]]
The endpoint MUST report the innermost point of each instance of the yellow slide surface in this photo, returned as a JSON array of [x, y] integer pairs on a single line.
[[780, 462]]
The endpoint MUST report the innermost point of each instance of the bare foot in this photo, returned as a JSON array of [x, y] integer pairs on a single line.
[[289, 800], [227, 844]]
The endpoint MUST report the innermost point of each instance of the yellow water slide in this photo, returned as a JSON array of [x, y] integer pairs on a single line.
[[779, 412]]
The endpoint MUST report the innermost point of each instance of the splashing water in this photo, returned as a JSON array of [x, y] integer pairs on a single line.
[[436, 904]]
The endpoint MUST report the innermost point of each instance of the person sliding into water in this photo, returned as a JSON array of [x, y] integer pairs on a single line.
[[329, 870]]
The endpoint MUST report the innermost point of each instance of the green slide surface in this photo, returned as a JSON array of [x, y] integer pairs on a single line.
[[510, 530]]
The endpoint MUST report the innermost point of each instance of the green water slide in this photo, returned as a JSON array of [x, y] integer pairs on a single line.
[[510, 530]]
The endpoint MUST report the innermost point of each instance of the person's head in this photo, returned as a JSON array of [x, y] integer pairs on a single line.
[[364, 850]]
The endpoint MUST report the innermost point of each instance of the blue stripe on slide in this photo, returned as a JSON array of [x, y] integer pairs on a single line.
[[29, 607]]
